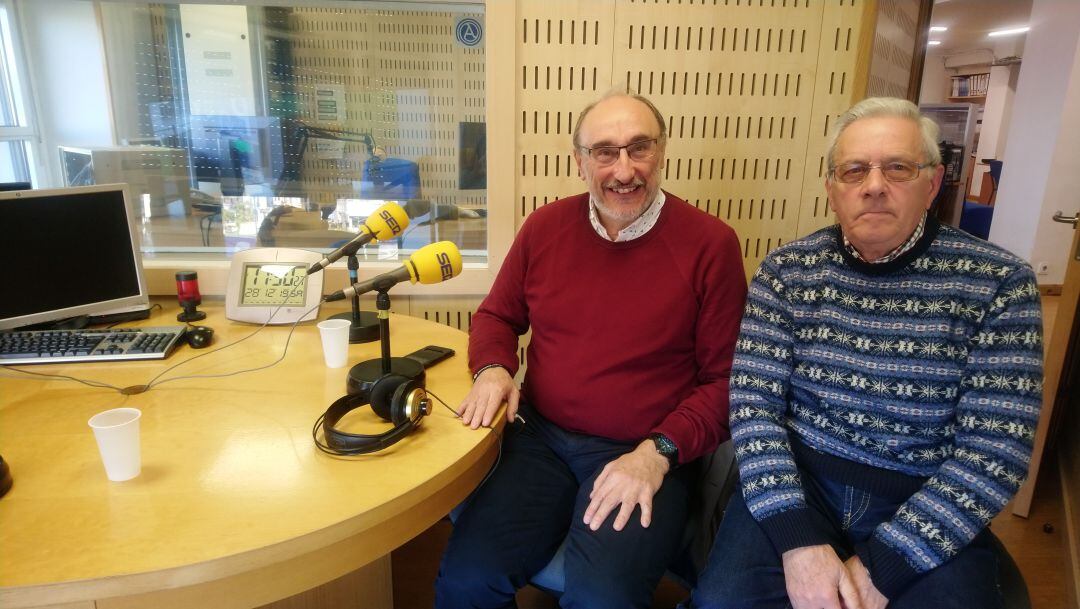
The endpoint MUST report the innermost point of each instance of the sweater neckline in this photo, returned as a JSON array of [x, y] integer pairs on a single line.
[[867, 268]]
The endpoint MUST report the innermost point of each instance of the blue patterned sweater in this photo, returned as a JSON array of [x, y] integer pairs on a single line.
[[920, 378]]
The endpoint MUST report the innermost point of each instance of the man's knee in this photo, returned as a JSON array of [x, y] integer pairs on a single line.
[[743, 569], [971, 579]]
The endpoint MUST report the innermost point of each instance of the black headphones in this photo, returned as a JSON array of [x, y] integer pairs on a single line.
[[399, 399]]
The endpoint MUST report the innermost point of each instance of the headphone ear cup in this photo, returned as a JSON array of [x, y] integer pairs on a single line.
[[382, 395], [399, 411]]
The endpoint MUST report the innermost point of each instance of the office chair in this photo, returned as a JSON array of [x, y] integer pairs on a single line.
[[975, 219], [1013, 588]]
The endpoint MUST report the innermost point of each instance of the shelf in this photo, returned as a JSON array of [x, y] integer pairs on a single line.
[[967, 98], [969, 86]]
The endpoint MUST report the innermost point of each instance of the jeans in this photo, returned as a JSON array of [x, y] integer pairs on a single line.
[[744, 570], [536, 497]]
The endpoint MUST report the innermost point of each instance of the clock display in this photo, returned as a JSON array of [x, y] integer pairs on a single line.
[[273, 284]]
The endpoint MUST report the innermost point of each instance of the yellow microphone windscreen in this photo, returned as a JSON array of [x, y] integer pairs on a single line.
[[434, 263], [387, 222]]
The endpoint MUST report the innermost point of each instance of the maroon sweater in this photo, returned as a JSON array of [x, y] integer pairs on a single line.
[[627, 338]]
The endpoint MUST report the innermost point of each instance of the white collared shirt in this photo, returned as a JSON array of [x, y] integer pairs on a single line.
[[637, 228]]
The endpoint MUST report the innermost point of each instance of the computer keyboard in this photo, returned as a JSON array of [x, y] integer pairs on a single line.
[[58, 346]]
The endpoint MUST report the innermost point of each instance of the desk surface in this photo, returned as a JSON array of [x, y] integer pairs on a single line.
[[233, 494]]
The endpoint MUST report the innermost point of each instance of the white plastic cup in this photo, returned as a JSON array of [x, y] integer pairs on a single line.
[[335, 341], [117, 435]]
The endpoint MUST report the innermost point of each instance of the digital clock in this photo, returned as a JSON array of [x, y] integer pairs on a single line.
[[273, 281], [273, 284]]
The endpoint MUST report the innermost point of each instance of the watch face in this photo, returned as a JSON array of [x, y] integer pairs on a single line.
[[664, 445], [266, 284]]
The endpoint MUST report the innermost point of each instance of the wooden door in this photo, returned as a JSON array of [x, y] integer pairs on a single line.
[[1061, 370]]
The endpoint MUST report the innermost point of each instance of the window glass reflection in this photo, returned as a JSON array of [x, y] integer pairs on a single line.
[[256, 126]]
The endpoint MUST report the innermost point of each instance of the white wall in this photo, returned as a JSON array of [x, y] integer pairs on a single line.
[[999, 97], [1053, 240], [935, 81], [1040, 173], [67, 71], [1003, 80]]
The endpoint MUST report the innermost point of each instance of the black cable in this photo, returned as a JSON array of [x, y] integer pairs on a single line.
[[155, 382], [65, 377], [452, 411], [498, 440], [117, 323]]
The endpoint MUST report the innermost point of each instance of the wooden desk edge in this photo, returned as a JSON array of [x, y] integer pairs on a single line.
[[281, 570]]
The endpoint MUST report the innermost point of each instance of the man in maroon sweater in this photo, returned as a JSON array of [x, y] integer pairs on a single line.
[[634, 299]]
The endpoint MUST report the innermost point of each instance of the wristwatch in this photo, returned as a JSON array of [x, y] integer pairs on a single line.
[[666, 447]]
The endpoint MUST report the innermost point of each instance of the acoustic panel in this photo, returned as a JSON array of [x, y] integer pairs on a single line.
[[401, 78], [895, 37], [746, 87], [453, 311]]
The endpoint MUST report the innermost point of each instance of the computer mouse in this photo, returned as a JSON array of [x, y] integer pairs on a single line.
[[200, 337]]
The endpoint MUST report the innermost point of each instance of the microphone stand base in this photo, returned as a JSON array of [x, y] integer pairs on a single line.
[[363, 375], [365, 330]]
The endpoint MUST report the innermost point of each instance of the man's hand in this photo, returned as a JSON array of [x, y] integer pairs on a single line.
[[493, 387], [816, 579], [626, 482], [867, 595]]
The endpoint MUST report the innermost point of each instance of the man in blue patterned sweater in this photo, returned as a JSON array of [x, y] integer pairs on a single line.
[[884, 395]]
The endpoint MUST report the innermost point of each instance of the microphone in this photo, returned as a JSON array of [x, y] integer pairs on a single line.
[[433, 263], [384, 223]]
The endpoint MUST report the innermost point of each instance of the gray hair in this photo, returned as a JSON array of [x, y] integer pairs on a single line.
[[890, 107], [617, 93]]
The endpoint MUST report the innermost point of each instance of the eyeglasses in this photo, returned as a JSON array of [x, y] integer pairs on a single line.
[[642, 150], [894, 171]]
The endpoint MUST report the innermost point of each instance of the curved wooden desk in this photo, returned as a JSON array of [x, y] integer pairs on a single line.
[[235, 506]]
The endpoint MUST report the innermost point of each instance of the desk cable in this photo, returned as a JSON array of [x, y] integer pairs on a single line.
[[154, 382], [498, 438]]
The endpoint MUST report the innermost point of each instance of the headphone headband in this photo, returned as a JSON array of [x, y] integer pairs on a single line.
[[407, 405]]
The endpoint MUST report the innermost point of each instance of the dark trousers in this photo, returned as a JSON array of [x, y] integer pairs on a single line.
[[535, 498], [744, 570]]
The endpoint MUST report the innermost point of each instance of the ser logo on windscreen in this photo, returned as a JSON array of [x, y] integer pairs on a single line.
[[390, 221], [445, 267]]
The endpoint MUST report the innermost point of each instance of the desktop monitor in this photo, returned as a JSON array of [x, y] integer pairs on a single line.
[[69, 252]]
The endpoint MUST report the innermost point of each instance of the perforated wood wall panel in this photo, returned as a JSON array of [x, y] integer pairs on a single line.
[[894, 48], [747, 87], [404, 81], [453, 311], [456, 312]]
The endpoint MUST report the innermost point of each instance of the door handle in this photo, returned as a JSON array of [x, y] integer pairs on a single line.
[[1060, 217]]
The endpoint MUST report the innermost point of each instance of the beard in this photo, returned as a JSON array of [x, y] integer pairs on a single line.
[[625, 214]]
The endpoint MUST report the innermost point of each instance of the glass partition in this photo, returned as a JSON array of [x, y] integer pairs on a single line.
[[259, 126]]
